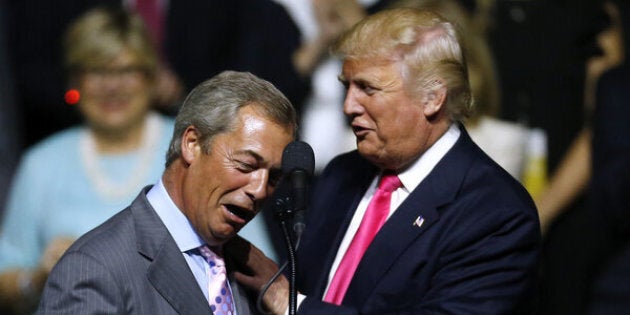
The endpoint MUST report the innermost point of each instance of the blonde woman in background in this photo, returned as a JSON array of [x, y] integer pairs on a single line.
[[77, 178]]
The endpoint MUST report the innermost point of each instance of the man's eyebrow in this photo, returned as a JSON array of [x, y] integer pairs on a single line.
[[358, 80], [256, 156], [251, 153]]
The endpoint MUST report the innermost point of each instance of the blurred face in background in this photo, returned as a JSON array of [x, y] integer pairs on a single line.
[[116, 96]]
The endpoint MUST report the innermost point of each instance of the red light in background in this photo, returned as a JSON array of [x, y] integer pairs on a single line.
[[72, 96]]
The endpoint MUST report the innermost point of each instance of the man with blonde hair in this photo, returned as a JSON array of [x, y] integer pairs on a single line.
[[418, 219]]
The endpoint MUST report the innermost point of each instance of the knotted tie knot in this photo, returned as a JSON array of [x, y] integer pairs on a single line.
[[389, 182], [216, 262]]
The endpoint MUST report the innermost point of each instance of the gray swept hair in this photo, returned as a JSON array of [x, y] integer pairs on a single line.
[[212, 107]]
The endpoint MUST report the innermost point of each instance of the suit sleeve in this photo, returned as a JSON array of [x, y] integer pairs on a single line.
[[488, 267], [79, 284]]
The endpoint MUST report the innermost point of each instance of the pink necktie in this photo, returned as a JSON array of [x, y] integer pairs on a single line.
[[220, 296], [375, 216]]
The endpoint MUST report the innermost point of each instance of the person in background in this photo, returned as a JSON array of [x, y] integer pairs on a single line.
[[195, 39], [163, 254], [584, 262], [447, 230], [77, 178], [573, 174]]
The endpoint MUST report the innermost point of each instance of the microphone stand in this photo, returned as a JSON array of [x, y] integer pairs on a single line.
[[284, 215], [298, 163]]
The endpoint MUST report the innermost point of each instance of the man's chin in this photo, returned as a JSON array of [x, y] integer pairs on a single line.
[[222, 237], [366, 149]]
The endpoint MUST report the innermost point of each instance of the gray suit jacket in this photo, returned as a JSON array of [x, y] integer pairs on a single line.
[[128, 265]]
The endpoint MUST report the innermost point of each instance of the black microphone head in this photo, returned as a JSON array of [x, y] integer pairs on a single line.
[[298, 164], [298, 155]]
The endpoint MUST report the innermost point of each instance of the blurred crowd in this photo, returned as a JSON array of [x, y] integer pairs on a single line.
[[550, 80]]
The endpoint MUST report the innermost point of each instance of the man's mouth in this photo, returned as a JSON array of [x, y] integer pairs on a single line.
[[359, 130], [242, 213]]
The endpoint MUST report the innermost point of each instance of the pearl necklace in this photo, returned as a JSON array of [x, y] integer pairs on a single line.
[[103, 185]]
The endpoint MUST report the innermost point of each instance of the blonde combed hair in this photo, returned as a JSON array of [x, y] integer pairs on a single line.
[[427, 45]]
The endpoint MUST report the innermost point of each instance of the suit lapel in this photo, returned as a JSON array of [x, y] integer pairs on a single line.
[[413, 217], [243, 303], [168, 271]]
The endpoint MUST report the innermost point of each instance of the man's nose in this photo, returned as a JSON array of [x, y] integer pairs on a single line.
[[351, 107], [257, 187]]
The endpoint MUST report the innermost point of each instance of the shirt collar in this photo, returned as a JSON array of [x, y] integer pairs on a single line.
[[414, 175], [176, 222]]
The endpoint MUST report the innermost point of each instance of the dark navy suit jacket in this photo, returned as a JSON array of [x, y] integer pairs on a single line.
[[475, 253]]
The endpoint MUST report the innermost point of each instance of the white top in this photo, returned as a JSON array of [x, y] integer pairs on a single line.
[[505, 142]]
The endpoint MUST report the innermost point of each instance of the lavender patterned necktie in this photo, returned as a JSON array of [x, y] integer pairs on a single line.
[[220, 296]]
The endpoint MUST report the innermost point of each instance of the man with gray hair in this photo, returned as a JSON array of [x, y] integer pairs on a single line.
[[164, 253], [418, 219]]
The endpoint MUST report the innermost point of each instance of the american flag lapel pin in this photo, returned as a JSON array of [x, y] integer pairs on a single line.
[[419, 221]]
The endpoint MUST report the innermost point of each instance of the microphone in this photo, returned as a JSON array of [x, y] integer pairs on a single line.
[[298, 163]]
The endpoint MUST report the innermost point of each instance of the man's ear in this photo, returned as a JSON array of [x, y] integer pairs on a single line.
[[191, 144], [434, 100]]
